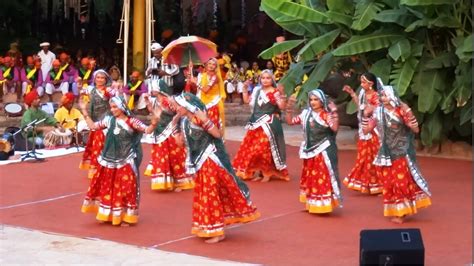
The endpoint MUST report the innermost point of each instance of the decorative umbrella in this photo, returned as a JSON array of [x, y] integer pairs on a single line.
[[189, 49]]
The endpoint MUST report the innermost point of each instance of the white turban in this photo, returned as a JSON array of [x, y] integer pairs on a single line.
[[44, 44]]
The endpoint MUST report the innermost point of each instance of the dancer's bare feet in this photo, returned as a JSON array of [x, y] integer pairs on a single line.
[[215, 239], [266, 178], [397, 220], [178, 189], [124, 224]]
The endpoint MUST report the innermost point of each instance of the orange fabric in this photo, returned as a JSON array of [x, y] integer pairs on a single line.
[[363, 177], [166, 167], [255, 155], [114, 190], [217, 201], [315, 186], [401, 195]]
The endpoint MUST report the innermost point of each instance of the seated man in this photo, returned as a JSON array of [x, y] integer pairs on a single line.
[[133, 92], [33, 113], [67, 115], [32, 77], [56, 80], [9, 76]]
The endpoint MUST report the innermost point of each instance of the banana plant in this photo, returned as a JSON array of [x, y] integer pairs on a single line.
[[424, 48]]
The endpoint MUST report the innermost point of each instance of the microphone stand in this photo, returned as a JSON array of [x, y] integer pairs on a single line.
[[31, 153]]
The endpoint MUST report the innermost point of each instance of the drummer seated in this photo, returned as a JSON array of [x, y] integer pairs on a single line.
[[134, 91], [67, 115], [34, 112], [56, 80]]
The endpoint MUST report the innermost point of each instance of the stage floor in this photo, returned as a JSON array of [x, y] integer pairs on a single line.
[[47, 197]]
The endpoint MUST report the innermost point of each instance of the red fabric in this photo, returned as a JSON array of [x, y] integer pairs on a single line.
[[401, 195], [167, 166], [67, 98], [363, 177], [30, 97], [217, 201], [255, 155], [213, 114], [94, 147], [315, 185], [114, 189]]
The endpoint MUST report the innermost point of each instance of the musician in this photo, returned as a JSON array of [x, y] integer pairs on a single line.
[[33, 113], [67, 115], [134, 91], [9, 76], [31, 77], [47, 58], [56, 80]]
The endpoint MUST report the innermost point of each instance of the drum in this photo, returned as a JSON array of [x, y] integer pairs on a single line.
[[49, 107], [56, 139], [13, 109]]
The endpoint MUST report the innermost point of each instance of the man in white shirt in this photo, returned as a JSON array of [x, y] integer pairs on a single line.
[[157, 69], [47, 58]]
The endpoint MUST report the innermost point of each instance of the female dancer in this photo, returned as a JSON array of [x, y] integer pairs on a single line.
[[404, 188], [99, 96], [262, 151], [220, 197], [166, 167], [319, 184], [210, 90], [363, 176], [114, 191]]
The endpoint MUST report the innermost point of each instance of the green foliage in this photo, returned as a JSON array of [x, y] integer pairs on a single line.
[[424, 48]]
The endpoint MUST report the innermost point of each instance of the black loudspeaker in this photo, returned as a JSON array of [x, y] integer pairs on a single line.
[[391, 247]]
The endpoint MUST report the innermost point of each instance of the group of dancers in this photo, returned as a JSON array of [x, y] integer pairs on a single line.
[[188, 151]]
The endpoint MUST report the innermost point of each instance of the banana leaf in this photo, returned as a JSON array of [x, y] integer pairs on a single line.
[[366, 43], [278, 48], [402, 74], [401, 48], [430, 94], [317, 45], [365, 12]]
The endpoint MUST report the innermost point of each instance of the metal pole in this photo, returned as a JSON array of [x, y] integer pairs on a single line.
[[125, 39]]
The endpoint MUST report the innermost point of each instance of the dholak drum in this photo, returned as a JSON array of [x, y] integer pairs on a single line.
[[82, 132], [55, 138], [13, 109]]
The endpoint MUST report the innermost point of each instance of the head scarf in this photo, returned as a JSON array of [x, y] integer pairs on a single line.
[[67, 98], [320, 94], [190, 102], [266, 71], [107, 76], [121, 104], [30, 97], [390, 93], [162, 88]]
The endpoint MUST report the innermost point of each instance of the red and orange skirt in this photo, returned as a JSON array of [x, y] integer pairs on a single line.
[[315, 186], [94, 147], [112, 195], [255, 155], [363, 177], [167, 167], [401, 195], [218, 201]]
